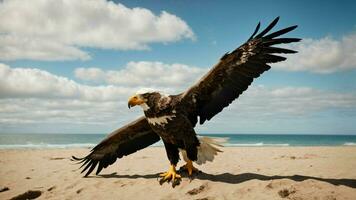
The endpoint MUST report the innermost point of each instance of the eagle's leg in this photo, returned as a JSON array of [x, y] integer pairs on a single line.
[[173, 156], [190, 154], [190, 168]]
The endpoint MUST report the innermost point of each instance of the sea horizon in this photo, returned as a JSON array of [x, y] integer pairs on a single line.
[[81, 140]]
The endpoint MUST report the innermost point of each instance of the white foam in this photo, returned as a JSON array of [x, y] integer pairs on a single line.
[[349, 144], [46, 146], [259, 144]]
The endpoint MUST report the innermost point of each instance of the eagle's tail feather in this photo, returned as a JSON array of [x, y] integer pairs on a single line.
[[207, 150]]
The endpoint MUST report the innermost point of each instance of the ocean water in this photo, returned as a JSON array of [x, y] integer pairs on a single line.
[[16, 141]]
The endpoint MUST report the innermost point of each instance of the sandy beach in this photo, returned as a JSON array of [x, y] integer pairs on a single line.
[[239, 173]]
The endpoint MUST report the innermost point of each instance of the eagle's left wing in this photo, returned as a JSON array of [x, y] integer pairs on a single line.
[[122, 142], [234, 73]]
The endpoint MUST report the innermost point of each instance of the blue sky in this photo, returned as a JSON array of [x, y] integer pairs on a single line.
[[71, 68]]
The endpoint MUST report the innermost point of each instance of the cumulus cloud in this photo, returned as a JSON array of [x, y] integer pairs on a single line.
[[150, 74], [57, 29], [90, 74], [325, 55], [284, 110], [14, 47], [36, 83], [260, 100], [30, 98]]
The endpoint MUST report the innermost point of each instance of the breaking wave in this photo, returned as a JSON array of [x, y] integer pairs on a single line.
[[255, 144], [349, 144], [46, 146]]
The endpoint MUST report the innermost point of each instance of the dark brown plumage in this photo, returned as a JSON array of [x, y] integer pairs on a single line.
[[173, 118], [122, 142], [235, 72]]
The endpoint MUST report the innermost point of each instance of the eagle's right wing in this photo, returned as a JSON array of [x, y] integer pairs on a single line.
[[122, 142]]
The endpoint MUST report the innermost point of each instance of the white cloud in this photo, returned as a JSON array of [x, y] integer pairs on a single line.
[[90, 74], [325, 55], [72, 111], [35, 83], [34, 98], [56, 29], [14, 47], [260, 100], [177, 77]]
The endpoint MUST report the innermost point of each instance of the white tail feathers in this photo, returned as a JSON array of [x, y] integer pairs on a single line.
[[207, 150]]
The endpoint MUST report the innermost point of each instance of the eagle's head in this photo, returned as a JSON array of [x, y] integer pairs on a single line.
[[145, 100]]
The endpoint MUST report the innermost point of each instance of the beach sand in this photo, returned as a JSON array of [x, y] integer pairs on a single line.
[[238, 173]]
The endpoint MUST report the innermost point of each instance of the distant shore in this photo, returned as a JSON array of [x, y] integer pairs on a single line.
[[238, 173], [57, 141]]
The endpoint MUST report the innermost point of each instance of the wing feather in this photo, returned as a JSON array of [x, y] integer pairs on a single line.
[[280, 32], [235, 72], [122, 142], [269, 27], [280, 41], [256, 30]]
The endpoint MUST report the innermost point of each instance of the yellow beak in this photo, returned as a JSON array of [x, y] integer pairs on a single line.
[[135, 100]]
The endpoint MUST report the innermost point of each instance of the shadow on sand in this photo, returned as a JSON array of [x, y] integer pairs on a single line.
[[240, 178]]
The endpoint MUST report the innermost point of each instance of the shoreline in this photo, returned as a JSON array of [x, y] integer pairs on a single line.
[[238, 173], [156, 146], [13, 141], [86, 146]]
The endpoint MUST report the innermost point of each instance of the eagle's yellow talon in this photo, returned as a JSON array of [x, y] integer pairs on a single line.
[[171, 174], [190, 168], [163, 174]]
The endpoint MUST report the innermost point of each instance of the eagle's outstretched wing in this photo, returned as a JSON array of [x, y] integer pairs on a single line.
[[235, 72], [124, 141]]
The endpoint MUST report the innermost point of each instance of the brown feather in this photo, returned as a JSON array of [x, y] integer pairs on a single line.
[[122, 142], [235, 72]]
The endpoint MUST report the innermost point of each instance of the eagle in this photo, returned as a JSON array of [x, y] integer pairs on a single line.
[[172, 118]]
